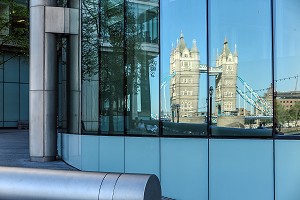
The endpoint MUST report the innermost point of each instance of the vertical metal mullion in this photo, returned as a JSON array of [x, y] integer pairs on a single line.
[[3, 91], [159, 83], [273, 20], [207, 97], [124, 66], [159, 71], [99, 68], [19, 87], [124, 78]]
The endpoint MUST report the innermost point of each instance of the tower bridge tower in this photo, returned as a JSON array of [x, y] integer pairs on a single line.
[[184, 86], [226, 81]]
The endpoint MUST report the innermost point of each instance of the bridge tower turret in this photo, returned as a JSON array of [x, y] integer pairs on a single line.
[[184, 86], [226, 81]]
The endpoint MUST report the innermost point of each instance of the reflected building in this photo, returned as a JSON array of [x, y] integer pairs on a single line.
[[184, 84], [288, 99], [185, 70], [118, 66], [226, 81]]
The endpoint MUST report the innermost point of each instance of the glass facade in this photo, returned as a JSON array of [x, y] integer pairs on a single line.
[[120, 48], [287, 53], [14, 87], [14, 64], [204, 68]]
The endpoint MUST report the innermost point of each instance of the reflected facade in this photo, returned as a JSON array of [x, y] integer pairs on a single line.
[[287, 52], [120, 48], [210, 75], [240, 98], [184, 68], [204, 84]]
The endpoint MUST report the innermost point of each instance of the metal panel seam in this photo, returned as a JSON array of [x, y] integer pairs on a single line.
[[115, 185], [101, 185]]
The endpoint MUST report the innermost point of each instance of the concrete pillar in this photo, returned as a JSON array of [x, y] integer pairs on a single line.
[[43, 80]]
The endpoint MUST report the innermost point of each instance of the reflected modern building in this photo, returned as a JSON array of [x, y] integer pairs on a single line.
[[121, 99]]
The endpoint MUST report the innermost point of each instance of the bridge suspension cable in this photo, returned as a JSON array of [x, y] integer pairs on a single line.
[[258, 102], [163, 85]]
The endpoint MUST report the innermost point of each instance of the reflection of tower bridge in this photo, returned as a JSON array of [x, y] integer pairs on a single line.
[[260, 104], [185, 72]]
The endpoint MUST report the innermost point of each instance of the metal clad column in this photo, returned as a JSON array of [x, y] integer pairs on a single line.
[[42, 94], [74, 117]]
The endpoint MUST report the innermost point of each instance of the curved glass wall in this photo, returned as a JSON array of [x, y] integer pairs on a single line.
[[202, 68]]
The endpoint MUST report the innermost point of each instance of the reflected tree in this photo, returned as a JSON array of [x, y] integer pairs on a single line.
[[111, 50], [281, 113], [14, 30], [295, 113]]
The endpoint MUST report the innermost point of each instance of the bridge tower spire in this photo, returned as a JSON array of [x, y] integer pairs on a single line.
[[184, 85], [226, 81]]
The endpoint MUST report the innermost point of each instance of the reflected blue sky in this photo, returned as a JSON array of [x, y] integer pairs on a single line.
[[287, 44], [245, 23], [188, 17]]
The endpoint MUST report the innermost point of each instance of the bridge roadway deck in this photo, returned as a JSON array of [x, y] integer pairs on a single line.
[[14, 151]]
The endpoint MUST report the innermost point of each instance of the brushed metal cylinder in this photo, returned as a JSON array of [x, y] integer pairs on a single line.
[[74, 116], [37, 47], [36, 184], [43, 80], [107, 186], [50, 124], [50, 73], [75, 71], [147, 183], [36, 123]]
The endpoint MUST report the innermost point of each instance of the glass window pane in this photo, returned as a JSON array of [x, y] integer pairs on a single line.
[[11, 68], [90, 52], [24, 70], [240, 52], [287, 54], [184, 67], [120, 66], [1, 73], [11, 102], [142, 70], [111, 67], [24, 102]]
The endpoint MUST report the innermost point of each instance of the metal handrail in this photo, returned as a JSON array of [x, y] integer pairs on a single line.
[[40, 184]]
